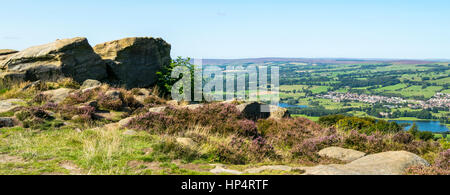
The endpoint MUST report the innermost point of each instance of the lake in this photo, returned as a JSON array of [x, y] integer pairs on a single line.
[[284, 105], [433, 126]]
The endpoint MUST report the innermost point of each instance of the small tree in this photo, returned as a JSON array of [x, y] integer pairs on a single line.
[[165, 80], [414, 130]]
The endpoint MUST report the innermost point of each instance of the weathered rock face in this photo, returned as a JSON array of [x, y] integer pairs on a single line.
[[63, 58], [255, 111], [7, 122], [158, 110], [135, 61], [386, 163], [342, 154], [132, 62], [278, 112], [10, 105], [6, 54], [58, 95], [89, 84]]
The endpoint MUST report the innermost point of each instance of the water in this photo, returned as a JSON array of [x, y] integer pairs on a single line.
[[284, 105], [433, 126]]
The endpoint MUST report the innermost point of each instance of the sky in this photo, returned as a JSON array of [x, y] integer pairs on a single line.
[[229, 29]]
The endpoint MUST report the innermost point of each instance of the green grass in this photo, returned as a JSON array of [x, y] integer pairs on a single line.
[[319, 89], [93, 151], [417, 91], [392, 87], [308, 117]]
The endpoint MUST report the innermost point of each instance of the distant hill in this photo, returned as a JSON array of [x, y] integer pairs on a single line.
[[316, 60]]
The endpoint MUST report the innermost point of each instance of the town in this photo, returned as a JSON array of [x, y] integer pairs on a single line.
[[440, 100]]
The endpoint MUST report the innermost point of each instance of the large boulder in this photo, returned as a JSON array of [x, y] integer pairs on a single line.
[[386, 163], [6, 54], [134, 62], [10, 105], [73, 58], [58, 95], [277, 112], [256, 110], [7, 122], [253, 111], [346, 155]]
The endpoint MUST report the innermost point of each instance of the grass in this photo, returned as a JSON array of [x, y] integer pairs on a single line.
[[308, 117], [319, 89], [392, 87], [95, 151], [417, 91]]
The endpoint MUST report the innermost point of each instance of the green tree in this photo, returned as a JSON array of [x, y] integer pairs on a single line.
[[414, 130], [165, 80]]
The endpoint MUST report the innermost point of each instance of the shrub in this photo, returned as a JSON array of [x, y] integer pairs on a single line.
[[169, 147], [129, 101], [374, 143], [259, 150], [443, 160], [368, 125], [232, 152], [109, 103], [403, 138], [425, 135], [153, 100], [219, 118], [40, 98], [331, 119], [441, 166], [422, 170], [33, 117], [85, 113], [81, 97], [309, 147], [288, 132]]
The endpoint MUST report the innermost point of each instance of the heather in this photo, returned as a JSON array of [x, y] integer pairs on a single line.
[[84, 129]]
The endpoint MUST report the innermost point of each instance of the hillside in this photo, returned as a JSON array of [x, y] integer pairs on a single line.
[[56, 119]]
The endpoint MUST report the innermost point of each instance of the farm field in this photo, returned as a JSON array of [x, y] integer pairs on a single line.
[[405, 88]]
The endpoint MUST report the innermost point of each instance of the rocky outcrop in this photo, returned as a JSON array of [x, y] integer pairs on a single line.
[[131, 62], [134, 61], [91, 84], [342, 154], [253, 111], [73, 58], [277, 112], [386, 163], [5, 54], [256, 110], [58, 95], [220, 169], [7, 122], [10, 105], [158, 110], [269, 168]]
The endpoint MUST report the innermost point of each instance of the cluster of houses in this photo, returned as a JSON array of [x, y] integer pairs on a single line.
[[439, 100]]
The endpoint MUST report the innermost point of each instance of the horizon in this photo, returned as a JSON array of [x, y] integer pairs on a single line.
[[401, 30]]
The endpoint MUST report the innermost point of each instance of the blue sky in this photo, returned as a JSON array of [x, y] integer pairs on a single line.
[[239, 28]]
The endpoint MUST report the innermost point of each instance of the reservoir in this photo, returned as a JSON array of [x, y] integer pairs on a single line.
[[433, 126], [284, 105]]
